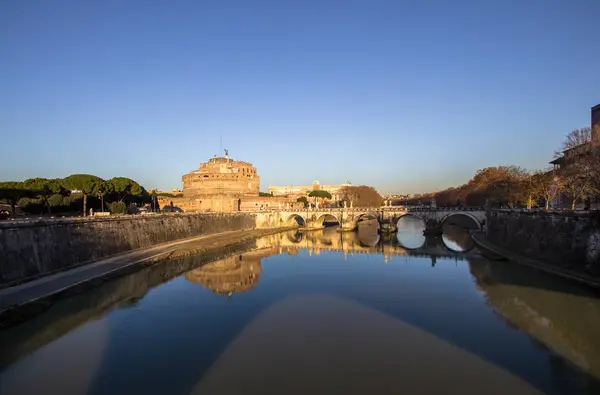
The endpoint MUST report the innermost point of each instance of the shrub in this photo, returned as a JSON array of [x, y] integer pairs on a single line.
[[31, 206], [56, 200], [117, 207]]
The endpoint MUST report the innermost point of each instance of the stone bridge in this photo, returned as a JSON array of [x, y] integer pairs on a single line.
[[348, 218]]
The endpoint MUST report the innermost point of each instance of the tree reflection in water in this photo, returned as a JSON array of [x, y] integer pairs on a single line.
[[562, 316]]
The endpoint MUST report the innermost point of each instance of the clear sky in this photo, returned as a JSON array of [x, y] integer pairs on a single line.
[[407, 96]]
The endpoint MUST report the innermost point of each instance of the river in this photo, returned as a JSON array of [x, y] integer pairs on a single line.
[[316, 312]]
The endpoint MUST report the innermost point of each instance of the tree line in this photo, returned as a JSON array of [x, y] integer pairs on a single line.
[[577, 178], [73, 193], [358, 196]]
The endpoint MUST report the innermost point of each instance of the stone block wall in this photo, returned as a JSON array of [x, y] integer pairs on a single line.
[[33, 249], [565, 239]]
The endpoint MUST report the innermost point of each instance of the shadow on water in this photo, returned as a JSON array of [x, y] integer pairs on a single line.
[[556, 315], [67, 315]]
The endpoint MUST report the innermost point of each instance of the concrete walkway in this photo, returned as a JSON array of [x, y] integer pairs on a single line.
[[47, 286]]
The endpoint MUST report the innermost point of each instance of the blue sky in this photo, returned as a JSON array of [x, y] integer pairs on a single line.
[[407, 96]]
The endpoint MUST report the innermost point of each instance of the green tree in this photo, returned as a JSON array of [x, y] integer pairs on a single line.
[[45, 188], [117, 207], [123, 187], [319, 194], [11, 192], [265, 194], [303, 199], [86, 183], [56, 200]]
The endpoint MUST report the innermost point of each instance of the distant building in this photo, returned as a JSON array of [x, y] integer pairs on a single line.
[[304, 190]]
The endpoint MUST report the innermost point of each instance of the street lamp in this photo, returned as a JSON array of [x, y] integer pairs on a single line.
[[101, 196]]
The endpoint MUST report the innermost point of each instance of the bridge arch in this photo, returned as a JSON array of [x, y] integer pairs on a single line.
[[397, 219], [467, 214], [326, 217], [295, 219]]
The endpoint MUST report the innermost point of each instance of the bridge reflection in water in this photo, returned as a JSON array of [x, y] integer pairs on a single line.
[[556, 315]]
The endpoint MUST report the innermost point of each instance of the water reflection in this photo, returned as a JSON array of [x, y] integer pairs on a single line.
[[233, 274], [456, 239], [410, 232], [558, 314], [367, 240], [72, 313], [169, 317], [367, 233]]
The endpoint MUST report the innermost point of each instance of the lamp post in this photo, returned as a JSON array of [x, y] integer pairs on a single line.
[[101, 196]]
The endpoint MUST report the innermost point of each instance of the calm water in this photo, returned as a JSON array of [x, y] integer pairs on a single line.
[[317, 312]]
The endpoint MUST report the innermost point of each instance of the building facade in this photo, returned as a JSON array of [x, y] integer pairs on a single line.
[[221, 177], [224, 185], [570, 156], [596, 119]]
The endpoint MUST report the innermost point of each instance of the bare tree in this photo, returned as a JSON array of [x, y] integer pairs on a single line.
[[576, 182], [362, 195], [535, 187], [547, 184], [577, 137], [581, 162], [594, 161]]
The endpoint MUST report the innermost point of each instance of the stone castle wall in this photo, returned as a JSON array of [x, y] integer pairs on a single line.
[[222, 176], [220, 184], [568, 240], [33, 249], [229, 204]]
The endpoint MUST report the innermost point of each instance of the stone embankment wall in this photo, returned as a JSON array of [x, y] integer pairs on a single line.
[[33, 249], [565, 239]]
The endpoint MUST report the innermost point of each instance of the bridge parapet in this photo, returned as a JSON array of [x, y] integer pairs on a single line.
[[349, 217], [438, 209]]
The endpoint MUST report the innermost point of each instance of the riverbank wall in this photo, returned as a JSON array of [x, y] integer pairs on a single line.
[[29, 250], [568, 240]]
